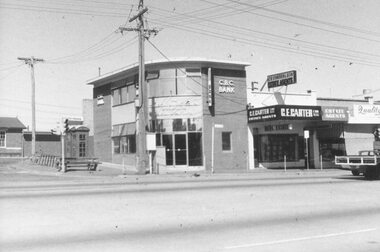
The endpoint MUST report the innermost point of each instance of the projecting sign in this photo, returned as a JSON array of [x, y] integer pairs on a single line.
[[282, 79], [284, 112], [331, 113]]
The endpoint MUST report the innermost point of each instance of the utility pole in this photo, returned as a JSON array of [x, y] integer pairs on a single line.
[[30, 61], [142, 119]]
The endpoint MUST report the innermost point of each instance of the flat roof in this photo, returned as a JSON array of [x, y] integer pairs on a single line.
[[177, 61]]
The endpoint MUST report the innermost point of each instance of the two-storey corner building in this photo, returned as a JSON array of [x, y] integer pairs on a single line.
[[197, 111]]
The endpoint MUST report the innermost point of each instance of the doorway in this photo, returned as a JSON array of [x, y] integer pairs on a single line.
[[175, 149]]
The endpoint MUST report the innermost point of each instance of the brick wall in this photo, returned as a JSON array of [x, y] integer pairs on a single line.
[[230, 111], [102, 125]]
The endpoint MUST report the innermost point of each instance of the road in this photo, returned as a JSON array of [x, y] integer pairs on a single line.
[[295, 211]]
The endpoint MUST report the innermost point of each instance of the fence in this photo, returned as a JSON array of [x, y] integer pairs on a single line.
[[47, 160]]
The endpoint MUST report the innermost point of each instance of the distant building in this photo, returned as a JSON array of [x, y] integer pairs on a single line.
[[11, 137], [46, 144]]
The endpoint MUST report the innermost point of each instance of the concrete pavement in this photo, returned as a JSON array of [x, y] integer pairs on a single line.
[[112, 171]]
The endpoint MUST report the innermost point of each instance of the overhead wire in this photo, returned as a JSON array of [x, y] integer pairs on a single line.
[[300, 24], [309, 19], [364, 59], [244, 29]]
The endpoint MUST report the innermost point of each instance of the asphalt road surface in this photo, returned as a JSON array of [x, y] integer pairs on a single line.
[[247, 212]]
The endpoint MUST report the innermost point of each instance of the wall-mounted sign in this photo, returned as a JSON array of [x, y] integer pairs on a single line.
[[226, 86], [209, 88], [284, 112], [178, 107], [278, 127], [331, 113], [367, 110], [282, 79]]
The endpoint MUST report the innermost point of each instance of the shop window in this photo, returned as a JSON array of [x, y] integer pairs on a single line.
[[167, 125], [331, 147], [226, 141], [195, 149], [2, 139], [179, 125], [194, 124], [274, 148]]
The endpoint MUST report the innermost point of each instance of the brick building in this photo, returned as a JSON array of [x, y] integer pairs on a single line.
[[188, 101], [11, 137]]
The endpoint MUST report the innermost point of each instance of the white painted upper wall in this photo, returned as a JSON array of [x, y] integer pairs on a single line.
[[262, 99]]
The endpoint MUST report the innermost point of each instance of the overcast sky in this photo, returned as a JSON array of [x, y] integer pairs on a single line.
[[334, 45]]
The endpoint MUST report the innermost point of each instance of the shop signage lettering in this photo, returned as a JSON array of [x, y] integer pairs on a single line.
[[226, 86], [277, 127], [367, 110], [334, 114], [282, 79], [284, 112], [299, 112]]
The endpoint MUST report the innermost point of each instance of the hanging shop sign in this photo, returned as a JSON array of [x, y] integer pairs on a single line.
[[282, 79], [226, 86], [331, 113], [284, 112]]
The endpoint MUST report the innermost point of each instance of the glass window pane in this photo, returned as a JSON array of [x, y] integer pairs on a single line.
[[167, 125], [116, 145], [195, 149], [194, 124], [153, 88], [179, 125], [226, 141], [123, 145], [131, 93], [115, 97], [123, 95], [132, 143], [194, 85]]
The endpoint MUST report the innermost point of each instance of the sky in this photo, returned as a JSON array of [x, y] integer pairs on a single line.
[[334, 45]]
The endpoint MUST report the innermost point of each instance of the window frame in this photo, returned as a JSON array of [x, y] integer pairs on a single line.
[[3, 139], [229, 141]]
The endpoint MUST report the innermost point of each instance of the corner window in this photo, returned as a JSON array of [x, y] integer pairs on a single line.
[[226, 141], [2, 138]]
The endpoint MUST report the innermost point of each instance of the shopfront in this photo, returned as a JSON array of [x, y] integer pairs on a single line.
[[297, 135]]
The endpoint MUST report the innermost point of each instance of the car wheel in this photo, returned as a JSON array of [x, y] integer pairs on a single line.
[[355, 172]]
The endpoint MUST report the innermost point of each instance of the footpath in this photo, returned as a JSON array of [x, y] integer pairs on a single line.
[[111, 171]]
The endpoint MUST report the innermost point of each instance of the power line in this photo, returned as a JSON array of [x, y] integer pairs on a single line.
[[319, 54], [285, 38], [310, 19]]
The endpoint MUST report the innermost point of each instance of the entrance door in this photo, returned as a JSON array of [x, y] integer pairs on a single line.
[[176, 151], [180, 151]]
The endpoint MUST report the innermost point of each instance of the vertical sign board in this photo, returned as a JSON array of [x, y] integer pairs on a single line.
[[209, 88], [306, 134], [282, 79]]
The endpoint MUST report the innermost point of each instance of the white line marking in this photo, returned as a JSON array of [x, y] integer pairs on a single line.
[[301, 239]]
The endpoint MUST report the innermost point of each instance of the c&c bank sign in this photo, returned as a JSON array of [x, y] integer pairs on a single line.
[[284, 112], [226, 86]]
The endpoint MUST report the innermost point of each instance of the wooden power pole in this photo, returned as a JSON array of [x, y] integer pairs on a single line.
[[30, 61], [142, 119]]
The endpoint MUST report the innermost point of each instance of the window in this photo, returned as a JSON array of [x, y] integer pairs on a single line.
[[226, 141], [82, 137], [124, 144], [115, 97], [274, 148], [82, 149], [2, 138]]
